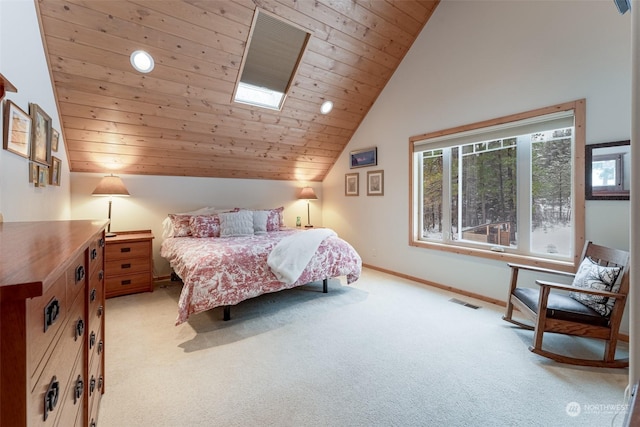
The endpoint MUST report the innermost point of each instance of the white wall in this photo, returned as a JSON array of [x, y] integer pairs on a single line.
[[23, 63], [153, 197], [478, 60]]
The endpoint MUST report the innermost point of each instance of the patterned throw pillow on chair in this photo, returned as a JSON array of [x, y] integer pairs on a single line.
[[593, 276]]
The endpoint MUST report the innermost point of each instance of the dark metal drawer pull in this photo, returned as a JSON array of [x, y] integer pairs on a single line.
[[100, 382], [100, 347], [92, 340], [79, 329], [100, 275], [94, 254], [100, 310], [101, 242], [79, 273], [92, 385], [125, 282], [93, 294], [51, 313], [125, 249], [51, 397], [79, 388], [127, 265]]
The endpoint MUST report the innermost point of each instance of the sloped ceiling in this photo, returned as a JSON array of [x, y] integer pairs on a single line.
[[180, 119]]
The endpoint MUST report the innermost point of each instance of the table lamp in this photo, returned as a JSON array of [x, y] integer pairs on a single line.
[[308, 194], [110, 186]]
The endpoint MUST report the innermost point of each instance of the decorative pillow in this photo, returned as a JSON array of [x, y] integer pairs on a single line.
[[236, 223], [275, 220], [593, 276], [260, 222], [205, 225], [180, 223], [177, 225]]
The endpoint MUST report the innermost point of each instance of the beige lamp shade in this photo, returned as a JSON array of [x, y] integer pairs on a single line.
[[111, 186], [307, 193]]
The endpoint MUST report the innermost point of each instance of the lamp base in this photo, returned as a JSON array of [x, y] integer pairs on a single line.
[[109, 234], [308, 226]]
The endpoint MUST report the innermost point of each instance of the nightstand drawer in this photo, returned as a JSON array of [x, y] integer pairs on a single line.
[[127, 284], [127, 250], [128, 266]]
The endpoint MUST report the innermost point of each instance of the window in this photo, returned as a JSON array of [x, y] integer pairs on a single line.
[[507, 188], [270, 60]]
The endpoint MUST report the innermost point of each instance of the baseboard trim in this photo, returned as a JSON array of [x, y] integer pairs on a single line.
[[621, 337]]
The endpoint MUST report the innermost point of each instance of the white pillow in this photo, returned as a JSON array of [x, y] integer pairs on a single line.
[[260, 222], [593, 276], [236, 223]]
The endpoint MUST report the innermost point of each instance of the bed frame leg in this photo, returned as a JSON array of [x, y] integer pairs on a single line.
[[325, 287], [227, 313]]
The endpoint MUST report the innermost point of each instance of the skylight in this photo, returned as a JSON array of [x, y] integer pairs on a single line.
[[270, 60], [259, 96]]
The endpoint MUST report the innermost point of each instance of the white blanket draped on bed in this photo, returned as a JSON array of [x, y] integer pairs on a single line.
[[292, 254]]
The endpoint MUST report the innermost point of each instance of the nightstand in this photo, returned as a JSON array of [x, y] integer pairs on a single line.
[[129, 263]]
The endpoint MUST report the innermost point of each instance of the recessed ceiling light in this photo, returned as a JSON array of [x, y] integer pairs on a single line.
[[326, 107], [142, 61]]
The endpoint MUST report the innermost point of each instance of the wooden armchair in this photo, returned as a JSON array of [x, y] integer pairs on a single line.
[[574, 313]]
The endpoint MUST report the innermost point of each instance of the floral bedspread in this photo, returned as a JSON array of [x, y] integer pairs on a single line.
[[220, 271]]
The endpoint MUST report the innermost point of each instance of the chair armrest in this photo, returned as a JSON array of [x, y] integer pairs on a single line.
[[564, 287], [540, 269]]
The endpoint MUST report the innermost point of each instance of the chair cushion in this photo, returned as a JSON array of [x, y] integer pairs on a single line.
[[593, 276], [561, 307]]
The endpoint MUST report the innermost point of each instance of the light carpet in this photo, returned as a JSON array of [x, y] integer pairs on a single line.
[[383, 351]]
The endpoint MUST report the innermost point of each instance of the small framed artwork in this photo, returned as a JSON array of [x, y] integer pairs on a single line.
[[40, 135], [43, 176], [375, 183], [55, 137], [17, 130], [54, 176], [351, 184], [33, 172], [364, 157]]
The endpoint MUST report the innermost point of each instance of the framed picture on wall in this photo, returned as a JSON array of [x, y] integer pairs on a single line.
[[55, 137], [43, 176], [40, 135], [364, 157], [17, 130], [54, 176], [375, 183], [33, 172], [351, 184]]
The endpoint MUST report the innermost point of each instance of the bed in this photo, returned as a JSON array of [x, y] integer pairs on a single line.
[[222, 265]]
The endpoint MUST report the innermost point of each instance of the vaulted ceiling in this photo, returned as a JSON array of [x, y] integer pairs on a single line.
[[180, 119]]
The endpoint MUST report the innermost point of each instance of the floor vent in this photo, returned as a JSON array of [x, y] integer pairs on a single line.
[[466, 304]]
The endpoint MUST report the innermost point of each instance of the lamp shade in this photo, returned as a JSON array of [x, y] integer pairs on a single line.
[[307, 193], [111, 186]]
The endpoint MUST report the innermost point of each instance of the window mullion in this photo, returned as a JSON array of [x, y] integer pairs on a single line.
[[524, 193], [446, 194]]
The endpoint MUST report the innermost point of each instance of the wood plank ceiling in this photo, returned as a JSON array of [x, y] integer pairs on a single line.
[[180, 119]]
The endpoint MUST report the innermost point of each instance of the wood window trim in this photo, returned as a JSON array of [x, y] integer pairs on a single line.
[[579, 109]]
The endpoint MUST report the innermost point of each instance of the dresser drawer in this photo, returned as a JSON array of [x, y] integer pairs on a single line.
[[76, 277], [56, 375], [72, 399], [96, 254], [96, 345], [128, 284], [95, 390], [128, 266], [46, 315], [127, 250]]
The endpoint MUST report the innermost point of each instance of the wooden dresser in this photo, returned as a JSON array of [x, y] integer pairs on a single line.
[[129, 263], [51, 322]]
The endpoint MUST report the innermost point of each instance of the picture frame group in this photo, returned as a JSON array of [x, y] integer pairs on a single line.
[[375, 183], [31, 135]]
